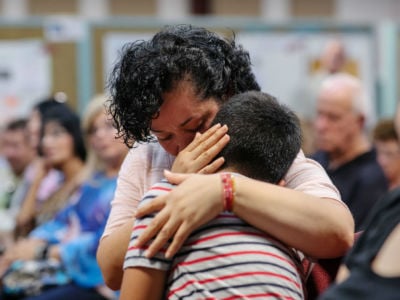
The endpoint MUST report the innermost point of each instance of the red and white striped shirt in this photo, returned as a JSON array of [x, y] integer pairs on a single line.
[[224, 259]]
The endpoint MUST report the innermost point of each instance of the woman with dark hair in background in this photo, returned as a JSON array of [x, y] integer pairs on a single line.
[[50, 181], [71, 236], [62, 148]]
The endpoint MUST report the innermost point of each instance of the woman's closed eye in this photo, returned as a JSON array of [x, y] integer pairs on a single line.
[[164, 138], [198, 128]]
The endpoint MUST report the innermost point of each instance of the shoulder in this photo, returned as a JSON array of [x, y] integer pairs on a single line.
[[150, 154], [308, 176]]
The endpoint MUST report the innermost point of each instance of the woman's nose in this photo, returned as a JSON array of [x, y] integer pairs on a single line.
[[184, 140]]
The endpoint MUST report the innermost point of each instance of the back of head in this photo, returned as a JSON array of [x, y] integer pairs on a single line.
[[70, 121], [265, 136], [217, 68]]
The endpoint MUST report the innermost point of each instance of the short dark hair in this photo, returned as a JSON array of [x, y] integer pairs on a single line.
[[70, 121], [218, 68], [16, 124], [385, 130], [265, 136]]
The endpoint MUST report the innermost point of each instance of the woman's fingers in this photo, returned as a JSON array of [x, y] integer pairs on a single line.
[[213, 167], [179, 238], [200, 138], [175, 178], [194, 202], [152, 229], [155, 205], [202, 150], [211, 140], [165, 234]]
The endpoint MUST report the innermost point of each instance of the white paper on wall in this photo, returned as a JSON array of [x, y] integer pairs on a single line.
[[25, 76]]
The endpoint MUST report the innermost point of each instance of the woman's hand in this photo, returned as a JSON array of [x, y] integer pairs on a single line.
[[25, 219], [194, 202], [198, 155]]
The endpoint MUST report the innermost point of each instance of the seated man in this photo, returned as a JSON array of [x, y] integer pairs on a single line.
[[344, 148], [228, 257], [371, 269], [19, 154]]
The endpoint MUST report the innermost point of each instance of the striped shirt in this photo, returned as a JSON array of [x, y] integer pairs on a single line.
[[224, 259]]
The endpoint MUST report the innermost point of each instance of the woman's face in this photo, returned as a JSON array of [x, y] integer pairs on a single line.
[[102, 139], [57, 145], [388, 156], [181, 115]]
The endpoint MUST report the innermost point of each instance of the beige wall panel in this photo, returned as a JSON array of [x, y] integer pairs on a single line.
[[133, 7], [236, 7], [312, 8], [64, 70], [45, 7]]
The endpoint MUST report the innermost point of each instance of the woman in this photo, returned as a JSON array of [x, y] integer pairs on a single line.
[[387, 146], [71, 237], [49, 183], [62, 148], [171, 86]]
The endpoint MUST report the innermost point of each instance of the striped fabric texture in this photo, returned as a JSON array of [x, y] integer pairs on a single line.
[[224, 259]]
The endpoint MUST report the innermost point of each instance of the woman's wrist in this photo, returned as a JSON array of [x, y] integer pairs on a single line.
[[228, 191]]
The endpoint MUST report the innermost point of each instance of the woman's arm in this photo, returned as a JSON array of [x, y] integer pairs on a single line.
[[114, 242], [317, 226], [142, 284], [111, 253]]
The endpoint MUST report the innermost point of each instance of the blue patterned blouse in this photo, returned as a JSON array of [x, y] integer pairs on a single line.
[[78, 227]]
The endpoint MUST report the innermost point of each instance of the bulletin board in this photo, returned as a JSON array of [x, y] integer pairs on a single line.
[[62, 59], [286, 64], [107, 42]]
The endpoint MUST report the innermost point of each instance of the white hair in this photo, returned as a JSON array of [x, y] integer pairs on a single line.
[[361, 101]]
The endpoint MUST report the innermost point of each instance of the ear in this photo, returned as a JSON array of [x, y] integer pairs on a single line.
[[282, 182], [361, 120]]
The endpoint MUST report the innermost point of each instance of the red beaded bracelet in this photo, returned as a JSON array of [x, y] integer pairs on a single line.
[[228, 191]]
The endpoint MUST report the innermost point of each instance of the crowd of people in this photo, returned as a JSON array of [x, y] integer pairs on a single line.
[[187, 181], [66, 199]]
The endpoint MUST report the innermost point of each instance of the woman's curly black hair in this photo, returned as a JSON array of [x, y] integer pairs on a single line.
[[147, 69]]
